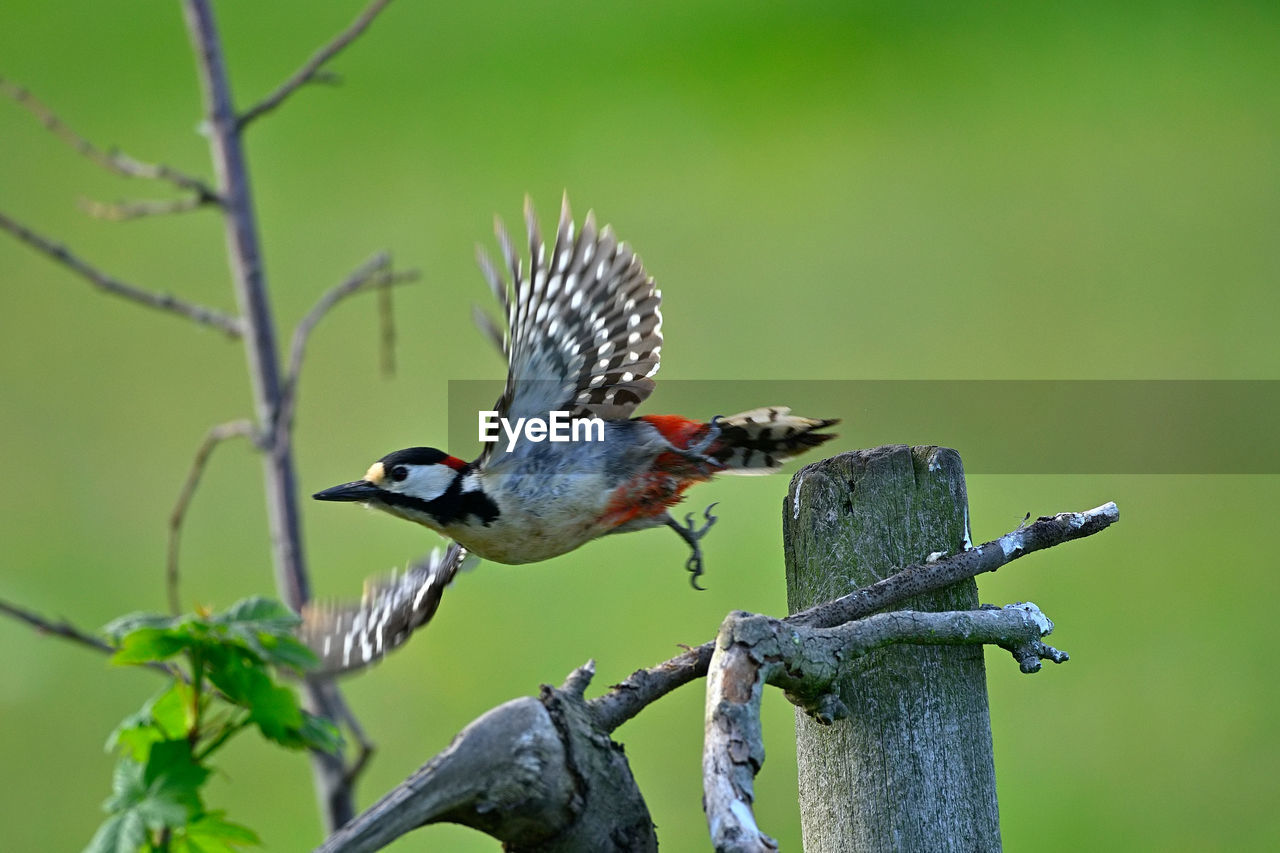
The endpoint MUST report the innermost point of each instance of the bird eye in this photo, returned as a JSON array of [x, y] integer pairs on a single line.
[[399, 473]]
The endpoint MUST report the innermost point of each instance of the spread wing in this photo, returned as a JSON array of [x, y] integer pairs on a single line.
[[349, 637], [583, 325]]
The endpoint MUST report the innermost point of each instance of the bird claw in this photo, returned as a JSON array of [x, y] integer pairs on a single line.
[[694, 567], [713, 432], [690, 532], [697, 453]]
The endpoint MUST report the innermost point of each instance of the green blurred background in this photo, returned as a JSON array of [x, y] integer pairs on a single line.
[[824, 191]]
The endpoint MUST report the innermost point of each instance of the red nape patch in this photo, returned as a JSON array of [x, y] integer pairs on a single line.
[[453, 462], [679, 431]]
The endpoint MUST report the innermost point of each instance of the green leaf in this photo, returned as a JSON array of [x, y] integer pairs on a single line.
[[127, 786], [172, 783], [164, 717], [234, 672], [262, 614], [127, 624], [171, 710], [275, 710], [122, 833], [266, 627], [283, 650], [320, 733], [277, 713], [136, 742], [213, 834], [150, 644], [135, 734]]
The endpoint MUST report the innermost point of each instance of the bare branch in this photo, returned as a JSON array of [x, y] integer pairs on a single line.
[[62, 629], [375, 272], [310, 72], [753, 650], [1044, 532], [244, 254], [109, 159], [229, 326], [333, 777], [70, 632], [644, 686], [212, 439], [123, 211], [387, 319], [334, 700]]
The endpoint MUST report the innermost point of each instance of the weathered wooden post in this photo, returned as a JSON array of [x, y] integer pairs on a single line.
[[911, 767]]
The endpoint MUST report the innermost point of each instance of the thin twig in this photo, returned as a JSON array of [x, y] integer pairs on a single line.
[[123, 211], [375, 272], [215, 436], [67, 631], [387, 320], [310, 70], [229, 326], [645, 686], [109, 159], [364, 747], [62, 629]]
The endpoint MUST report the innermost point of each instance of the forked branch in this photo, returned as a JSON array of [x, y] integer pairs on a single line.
[[311, 72], [753, 650], [375, 272], [438, 788], [644, 686]]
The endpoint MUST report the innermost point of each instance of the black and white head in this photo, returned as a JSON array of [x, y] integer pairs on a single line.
[[419, 484]]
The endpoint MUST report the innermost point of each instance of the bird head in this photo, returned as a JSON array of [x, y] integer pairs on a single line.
[[413, 483]]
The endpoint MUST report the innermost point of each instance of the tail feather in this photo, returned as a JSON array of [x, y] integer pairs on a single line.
[[760, 440]]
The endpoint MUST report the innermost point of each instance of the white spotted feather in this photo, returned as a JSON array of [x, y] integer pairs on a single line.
[[583, 323]]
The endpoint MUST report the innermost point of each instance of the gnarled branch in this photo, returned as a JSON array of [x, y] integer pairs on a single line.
[[534, 773], [439, 785], [753, 650], [644, 686]]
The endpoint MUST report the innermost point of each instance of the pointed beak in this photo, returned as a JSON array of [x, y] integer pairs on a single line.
[[360, 490]]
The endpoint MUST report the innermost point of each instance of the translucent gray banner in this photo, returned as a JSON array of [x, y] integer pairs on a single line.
[[998, 426]]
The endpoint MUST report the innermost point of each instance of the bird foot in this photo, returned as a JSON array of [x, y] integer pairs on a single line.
[[690, 532], [697, 453]]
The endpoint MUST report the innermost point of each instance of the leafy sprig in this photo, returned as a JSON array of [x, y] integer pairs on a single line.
[[226, 683]]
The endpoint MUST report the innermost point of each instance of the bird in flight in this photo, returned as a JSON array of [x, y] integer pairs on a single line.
[[583, 338]]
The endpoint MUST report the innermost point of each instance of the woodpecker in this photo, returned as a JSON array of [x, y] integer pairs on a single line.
[[583, 337]]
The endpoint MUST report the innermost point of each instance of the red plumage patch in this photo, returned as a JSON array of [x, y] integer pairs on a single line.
[[648, 495], [679, 431]]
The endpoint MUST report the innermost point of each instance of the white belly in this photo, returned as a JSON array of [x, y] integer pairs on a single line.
[[553, 498], [539, 521]]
